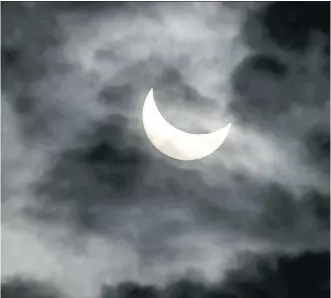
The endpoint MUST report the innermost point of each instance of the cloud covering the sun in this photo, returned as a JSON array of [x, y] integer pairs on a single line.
[[87, 200]]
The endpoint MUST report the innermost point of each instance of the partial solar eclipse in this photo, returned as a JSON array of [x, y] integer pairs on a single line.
[[175, 143]]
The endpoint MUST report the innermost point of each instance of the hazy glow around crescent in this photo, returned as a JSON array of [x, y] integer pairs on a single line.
[[175, 143]]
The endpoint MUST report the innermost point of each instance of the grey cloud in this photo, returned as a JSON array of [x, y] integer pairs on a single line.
[[258, 276], [28, 288], [79, 117], [255, 276]]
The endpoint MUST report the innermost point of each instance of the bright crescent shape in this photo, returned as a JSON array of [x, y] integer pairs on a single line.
[[175, 143]]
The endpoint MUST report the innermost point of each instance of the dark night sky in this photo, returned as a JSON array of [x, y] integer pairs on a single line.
[[91, 209]]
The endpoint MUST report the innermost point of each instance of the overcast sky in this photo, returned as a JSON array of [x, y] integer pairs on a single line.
[[87, 201]]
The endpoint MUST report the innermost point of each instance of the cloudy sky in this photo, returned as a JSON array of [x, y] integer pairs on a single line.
[[88, 202]]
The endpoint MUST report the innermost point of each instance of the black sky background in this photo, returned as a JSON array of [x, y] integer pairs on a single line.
[[91, 210]]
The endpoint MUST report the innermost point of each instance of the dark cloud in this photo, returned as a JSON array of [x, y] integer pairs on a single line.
[[281, 276], [285, 276], [317, 143], [79, 6], [276, 80], [24, 47], [257, 107], [256, 79], [293, 25], [290, 25], [281, 211], [33, 120], [115, 169], [119, 95], [257, 276], [110, 169], [28, 288], [269, 65], [9, 56], [109, 173]]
